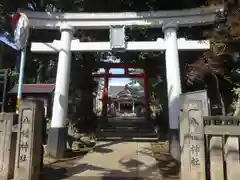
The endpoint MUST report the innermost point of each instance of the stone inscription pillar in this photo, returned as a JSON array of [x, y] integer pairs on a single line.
[[192, 140], [58, 132], [146, 93], [29, 141], [173, 86]]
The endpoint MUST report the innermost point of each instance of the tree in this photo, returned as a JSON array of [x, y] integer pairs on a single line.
[[213, 69]]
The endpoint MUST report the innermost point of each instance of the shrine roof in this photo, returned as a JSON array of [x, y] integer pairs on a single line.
[[114, 90], [128, 99], [34, 89], [128, 91]]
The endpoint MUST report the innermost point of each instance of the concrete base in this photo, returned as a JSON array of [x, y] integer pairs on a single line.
[[174, 144], [57, 142]]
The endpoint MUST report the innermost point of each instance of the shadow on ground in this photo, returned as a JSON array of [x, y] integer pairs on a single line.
[[165, 169], [168, 167]]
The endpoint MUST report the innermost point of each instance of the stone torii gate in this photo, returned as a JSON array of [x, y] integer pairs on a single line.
[[169, 21]]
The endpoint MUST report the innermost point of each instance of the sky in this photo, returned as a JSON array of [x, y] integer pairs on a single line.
[[118, 81]]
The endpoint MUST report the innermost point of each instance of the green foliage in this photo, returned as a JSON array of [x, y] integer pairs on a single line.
[[13, 75]]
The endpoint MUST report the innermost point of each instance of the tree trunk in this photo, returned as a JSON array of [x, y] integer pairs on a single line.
[[220, 95], [87, 118], [41, 71]]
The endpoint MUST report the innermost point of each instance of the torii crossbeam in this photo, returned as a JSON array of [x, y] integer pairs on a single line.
[[158, 45]]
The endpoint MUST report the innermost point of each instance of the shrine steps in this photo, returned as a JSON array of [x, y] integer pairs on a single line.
[[127, 129]]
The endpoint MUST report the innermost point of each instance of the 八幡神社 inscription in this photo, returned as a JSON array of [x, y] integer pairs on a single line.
[[29, 142], [193, 108], [25, 133], [22, 158], [24, 137], [26, 120], [194, 153], [24, 146], [194, 130]]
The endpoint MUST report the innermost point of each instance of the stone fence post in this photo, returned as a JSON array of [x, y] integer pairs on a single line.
[[8, 141]]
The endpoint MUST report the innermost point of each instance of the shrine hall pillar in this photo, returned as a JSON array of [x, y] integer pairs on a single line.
[[173, 86], [57, 136], [105, 93]]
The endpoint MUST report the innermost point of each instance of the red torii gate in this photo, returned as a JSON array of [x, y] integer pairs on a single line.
[[107, 75]]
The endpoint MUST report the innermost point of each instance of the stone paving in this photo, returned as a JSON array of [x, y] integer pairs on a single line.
[[111, 160]]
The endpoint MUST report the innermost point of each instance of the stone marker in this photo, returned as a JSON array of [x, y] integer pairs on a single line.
[[7, 145], [29, 142], [193, 107], [192, 141]]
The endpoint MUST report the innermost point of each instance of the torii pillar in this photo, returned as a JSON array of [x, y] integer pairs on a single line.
[[105, 93], [57, 137], [173, 87], [146, 93]]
